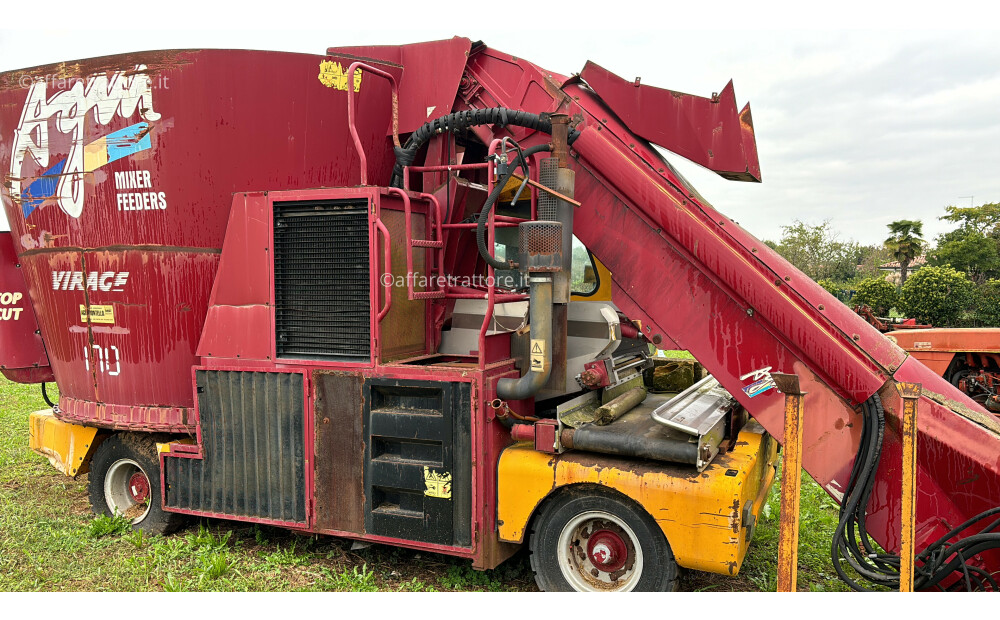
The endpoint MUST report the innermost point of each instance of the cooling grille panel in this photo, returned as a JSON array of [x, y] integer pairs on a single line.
[[253, 439], [321, 280]]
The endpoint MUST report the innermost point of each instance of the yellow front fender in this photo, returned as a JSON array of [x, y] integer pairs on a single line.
[[707, 517]]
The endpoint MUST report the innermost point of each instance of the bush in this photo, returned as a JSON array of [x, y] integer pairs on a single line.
[[988, 304], [936, 295], [878, 294], [830, 287]]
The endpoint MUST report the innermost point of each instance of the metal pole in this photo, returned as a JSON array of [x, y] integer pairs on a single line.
[[791, 481], [909, 392]]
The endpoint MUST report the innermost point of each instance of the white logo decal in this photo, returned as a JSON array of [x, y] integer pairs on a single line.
[[762, 382], [94, 281], [119, 95], [103, 362]]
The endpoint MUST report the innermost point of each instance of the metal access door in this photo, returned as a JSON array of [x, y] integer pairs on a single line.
[[418, 482]]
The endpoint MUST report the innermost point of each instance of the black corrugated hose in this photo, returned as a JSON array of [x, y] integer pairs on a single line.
[[936, 563], [455, 121]]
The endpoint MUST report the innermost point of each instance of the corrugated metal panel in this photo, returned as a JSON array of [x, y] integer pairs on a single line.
[[321, 284], [253, 438]]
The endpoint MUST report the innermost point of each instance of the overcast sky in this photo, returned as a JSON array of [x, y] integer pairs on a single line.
[[859, 127]]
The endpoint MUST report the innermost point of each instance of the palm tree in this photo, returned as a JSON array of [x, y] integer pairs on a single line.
[[905, 242]]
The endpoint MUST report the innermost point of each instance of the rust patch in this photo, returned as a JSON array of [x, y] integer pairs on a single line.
[[987, 421], [155, 62], [126, 248], [338, 462]]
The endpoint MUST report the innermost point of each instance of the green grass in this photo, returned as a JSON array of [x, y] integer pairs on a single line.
[[50, 541], [674, 355]]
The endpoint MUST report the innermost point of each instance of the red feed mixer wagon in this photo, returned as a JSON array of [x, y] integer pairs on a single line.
[[408, 295]]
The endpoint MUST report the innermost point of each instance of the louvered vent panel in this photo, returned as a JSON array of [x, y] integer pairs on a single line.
[[253, 440], [321, 281]]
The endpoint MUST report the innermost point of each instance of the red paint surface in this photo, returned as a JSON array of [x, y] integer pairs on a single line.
[[708, 131], [262, 120], [22, 354]]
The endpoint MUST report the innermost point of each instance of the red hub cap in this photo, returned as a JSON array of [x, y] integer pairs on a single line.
[[607, 551], [138, 487]]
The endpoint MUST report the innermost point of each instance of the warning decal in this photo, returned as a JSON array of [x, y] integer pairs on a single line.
[[98, 314], [537, 354], [438, 485]]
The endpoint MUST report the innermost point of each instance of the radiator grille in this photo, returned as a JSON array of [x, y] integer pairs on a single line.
[[321, 284], [253, 438]]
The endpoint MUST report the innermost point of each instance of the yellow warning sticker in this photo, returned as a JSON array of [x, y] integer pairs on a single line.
[[438, 485], [98, 314], [537, 354], [333, 75]]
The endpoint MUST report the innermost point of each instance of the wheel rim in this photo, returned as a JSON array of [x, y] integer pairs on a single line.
[[599, 552], [127, 490]]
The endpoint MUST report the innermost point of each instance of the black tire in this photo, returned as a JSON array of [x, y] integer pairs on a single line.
[[573, 516], [122, 456], [957, 376]]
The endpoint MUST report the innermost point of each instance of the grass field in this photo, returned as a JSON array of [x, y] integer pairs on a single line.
[[50, 541]]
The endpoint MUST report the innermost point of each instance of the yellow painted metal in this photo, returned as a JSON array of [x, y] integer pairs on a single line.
[[603, 292], [909, 392], [708, 517], [164, 448], [791, 482], [67, 446]]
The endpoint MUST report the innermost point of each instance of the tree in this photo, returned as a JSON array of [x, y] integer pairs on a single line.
[[984, 219], [873, 257], [973, 247], [878, 294], [988, 304], [936, 295], [817, 251], [830, 287], [969, 251], [905, 242]]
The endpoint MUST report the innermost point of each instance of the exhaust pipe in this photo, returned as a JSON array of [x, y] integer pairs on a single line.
[[541, 257], [540, 317]]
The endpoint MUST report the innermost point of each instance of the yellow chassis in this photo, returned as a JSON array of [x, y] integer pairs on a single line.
[[708, 517], [67, 446]]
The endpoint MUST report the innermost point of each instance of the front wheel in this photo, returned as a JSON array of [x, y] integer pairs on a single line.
[[595, 541], [125, 481]]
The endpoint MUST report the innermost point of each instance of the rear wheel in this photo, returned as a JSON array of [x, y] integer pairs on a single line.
[[593, 541], [125, 480]]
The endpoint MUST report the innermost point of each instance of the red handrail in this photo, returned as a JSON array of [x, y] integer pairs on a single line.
[[386, 285], [350, 112]]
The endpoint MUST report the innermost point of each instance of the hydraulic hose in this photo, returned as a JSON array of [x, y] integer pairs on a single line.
[[484, 213], [540, 309], [937, 563], [461, 120], [45, 395]]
